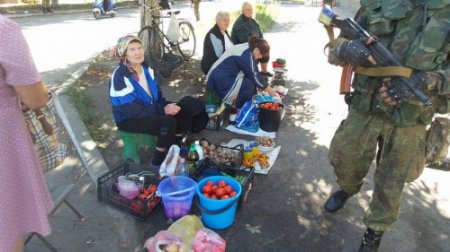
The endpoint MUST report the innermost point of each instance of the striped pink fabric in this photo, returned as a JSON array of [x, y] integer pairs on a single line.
[[24, 198]]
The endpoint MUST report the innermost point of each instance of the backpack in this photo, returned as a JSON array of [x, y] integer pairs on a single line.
[[438, 139]]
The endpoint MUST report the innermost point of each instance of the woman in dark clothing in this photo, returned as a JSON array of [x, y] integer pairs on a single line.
[[235, 76], [139, 106], [217, 40], [246, 27]]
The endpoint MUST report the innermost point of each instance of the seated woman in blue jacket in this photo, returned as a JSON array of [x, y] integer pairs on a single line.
[[139, 106], [235, 75]]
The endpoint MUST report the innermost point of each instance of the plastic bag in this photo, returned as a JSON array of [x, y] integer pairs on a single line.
[[163, 241], [247, 117], [172, 32], [186, 228], [169, 165], [207, 240]]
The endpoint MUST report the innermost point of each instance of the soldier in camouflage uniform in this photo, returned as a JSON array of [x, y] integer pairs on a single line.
[[384, 113]]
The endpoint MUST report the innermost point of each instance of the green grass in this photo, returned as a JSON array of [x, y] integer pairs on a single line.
[[266, 15], [94, 122]]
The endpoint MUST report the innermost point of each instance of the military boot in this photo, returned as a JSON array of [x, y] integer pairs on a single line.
[[370, 241], [336, 201]]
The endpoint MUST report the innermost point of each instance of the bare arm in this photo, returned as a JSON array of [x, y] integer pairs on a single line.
[[33, 96]]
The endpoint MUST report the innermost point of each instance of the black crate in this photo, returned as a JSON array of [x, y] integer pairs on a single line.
[[107, 192], [221, 170], [237, 162]]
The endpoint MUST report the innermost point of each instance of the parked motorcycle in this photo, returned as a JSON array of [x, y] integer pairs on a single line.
[[99, 8]]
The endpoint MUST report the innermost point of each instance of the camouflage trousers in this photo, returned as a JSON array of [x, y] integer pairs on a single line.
[[353, 150]]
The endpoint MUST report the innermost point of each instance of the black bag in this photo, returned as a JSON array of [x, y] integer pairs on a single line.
[[199, 115]]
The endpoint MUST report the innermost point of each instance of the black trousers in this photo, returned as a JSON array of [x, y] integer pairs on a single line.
[[164, 127]]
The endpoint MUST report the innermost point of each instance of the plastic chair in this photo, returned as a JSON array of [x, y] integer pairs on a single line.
[[132, 142], [59, 195]]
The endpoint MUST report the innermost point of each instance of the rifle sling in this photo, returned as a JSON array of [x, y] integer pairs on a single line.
[[386, 71]]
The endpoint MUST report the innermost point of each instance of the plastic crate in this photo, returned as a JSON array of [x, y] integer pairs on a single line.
[[107, 192], [216, 169], [239, 149]]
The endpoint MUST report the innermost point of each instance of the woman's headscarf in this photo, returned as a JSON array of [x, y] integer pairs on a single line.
[[120, 51], [122, 45]]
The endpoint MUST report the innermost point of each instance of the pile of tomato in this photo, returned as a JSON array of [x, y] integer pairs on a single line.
[[271, 106], [146, 200], [220, 191]]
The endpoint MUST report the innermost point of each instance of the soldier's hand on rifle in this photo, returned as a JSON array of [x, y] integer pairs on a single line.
[[394, 92], [354, 52]]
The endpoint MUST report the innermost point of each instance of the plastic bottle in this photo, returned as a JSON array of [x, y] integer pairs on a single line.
[[255, 149], [192, 159], [199, 150], [182, 168], [232, 117]]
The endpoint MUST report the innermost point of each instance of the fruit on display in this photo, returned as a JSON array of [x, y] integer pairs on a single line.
[[271, 106], [266, 141], [219, 191], [219, 154], [263, 160]]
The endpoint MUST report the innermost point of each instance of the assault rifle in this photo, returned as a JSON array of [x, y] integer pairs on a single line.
[[352, 31]]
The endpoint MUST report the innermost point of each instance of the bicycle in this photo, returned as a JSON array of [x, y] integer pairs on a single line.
[[159, 44]]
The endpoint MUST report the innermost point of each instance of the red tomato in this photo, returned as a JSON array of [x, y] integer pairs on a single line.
[[225, 197], [220, 192], [222, 183], [142, 197], [228, 189], [214, 188], [209, 183], [206, 189], [232, 193], [213, 196], [206, 195], [136, 207]]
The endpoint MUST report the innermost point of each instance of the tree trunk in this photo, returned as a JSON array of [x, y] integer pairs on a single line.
[[147, 9]]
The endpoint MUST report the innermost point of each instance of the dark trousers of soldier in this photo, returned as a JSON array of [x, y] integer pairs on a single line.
[[402, 160]]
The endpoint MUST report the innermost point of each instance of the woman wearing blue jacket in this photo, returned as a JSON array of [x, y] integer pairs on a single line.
[[139, 106], [235, 75]]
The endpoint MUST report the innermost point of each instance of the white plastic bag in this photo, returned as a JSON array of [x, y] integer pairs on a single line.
[[163, 241], [173, 32], [170, 164]]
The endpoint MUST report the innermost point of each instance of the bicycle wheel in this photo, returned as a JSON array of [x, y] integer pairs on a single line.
[[153, 44], [186, 43]]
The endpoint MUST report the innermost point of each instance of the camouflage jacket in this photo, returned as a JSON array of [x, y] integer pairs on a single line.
[[418, 34]]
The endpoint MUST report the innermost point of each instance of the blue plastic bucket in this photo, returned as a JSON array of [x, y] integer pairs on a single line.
[[177, 193], [218, 214]]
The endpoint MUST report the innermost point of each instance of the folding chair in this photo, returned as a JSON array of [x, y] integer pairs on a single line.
[[59, 195]]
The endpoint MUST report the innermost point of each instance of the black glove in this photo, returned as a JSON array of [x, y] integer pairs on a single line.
[[398, 92], [354, 52]]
